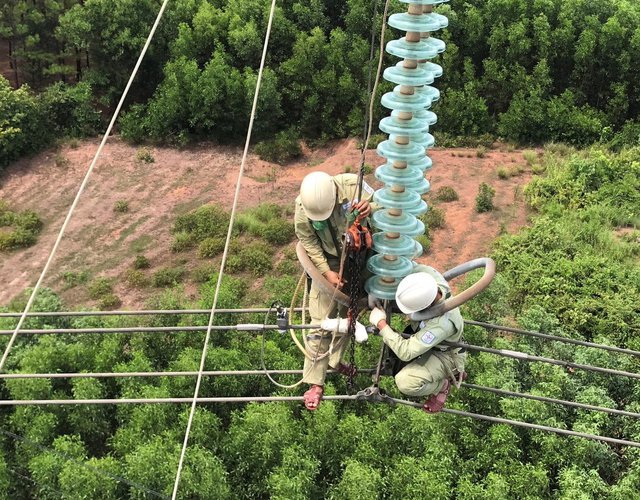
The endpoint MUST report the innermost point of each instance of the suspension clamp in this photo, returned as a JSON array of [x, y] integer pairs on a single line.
[[375, 395], [282, 319]]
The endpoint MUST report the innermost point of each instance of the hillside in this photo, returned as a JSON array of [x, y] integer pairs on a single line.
[[101, 241]]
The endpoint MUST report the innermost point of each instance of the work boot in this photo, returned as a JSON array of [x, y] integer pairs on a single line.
[[347, 370], [436, 402]]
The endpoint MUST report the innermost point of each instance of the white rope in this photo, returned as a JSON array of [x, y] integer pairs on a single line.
[[82, 187], [226, 250]]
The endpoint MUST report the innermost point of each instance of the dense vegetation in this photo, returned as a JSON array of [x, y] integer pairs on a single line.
[[573, 273], [529, 71], [18, 229]]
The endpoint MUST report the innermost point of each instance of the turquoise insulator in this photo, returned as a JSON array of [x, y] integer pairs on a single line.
[[423, 186], [394, 151], [408, 76], [432, 92], [403, 224], [427, 141], [382, 289], [411, 50], [388, 198], [397, 268], [407, 128], [391, 175], [405, 102], [420, 23], [402, 245], [405, 150]]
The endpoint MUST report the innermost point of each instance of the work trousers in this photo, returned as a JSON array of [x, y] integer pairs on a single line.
[[319, 341], [426, 374]]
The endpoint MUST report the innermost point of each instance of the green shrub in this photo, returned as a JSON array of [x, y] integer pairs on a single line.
[[425, 241], [278, 232], [434, 218], [182, 241], [288, 267], [100, 287], [481, 152], [61, 160], [110, 301], [121, 207], [282, 149], [258, 258], [530, 157], [135, 278], [207, 221], [235, 264], [144, 155], [210, 247], [503, 172], [23, 228], [168, 276], [72, 279], [484, 200], [141, 262], [203, 274], [446, 193]]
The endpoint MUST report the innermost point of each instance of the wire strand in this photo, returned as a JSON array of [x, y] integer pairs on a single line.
[[226, 247], [52, 253]]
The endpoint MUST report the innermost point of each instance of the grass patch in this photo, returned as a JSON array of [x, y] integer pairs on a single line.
[[72, 279], [136, 278], [266, 221], [425, 241], [110, 301], [530, 157], [121, 207], [210, 247], [481, 152], [141, 243], [182, 241], [255, 258], [168, 276], [434, 218], [61, 160], [446, 194], [203, 274], [144, 155], [18, 229]]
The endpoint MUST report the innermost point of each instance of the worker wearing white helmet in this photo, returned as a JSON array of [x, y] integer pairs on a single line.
[[320, 219], [428, 366]]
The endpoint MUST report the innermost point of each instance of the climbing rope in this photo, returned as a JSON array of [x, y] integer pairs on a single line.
[[52, 253], [226, 250]]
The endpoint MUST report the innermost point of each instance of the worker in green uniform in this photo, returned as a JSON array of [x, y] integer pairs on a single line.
[[322, 211], [428, 366]]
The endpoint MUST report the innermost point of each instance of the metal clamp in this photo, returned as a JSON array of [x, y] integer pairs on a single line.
[[374, 394]]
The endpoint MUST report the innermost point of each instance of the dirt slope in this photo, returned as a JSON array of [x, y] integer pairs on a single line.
[[104, 242]]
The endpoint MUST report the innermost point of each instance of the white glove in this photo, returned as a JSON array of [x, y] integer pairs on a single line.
[[342, 326], [374, 301], [376, 316], [335, 324], [361, 333]]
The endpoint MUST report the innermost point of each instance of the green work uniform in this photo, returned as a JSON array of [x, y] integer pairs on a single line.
[[325, 256], [428, 363]]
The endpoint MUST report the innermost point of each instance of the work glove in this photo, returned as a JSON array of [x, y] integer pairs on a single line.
[[376, 316], [342, 326], [374, 301]]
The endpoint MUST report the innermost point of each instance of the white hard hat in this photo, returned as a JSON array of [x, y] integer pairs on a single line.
[[416, 292], [318, 195]]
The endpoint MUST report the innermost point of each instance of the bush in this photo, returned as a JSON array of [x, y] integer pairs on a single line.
[[135, 278], [278, 232], [144, 155], [207, 221], [203, 274], [210, 247], [168, 276], [141, 262], [530, 157], [100, 287], [72, 279], [110, 301], [282, 149], [481, 152], [446, 193], [434, 218], [484, 200], [23, 231], [256, 258], [182, 241], [121, 207]]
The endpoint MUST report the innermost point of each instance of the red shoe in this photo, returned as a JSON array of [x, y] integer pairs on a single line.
[[347, 370], [436, 402], [313, 397]]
